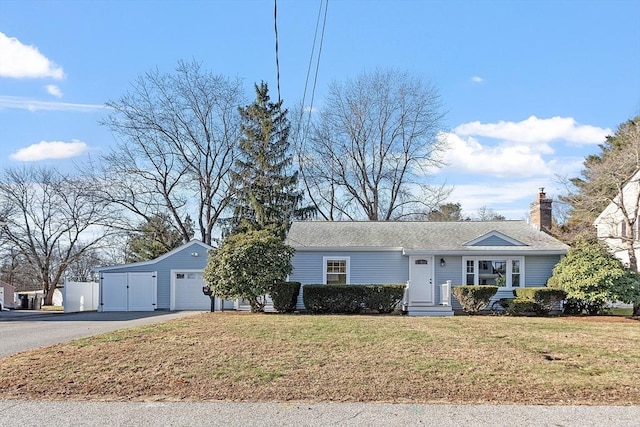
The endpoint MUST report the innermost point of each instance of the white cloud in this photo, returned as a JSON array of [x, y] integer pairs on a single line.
[[510, 198], [21, 103], [54, 90], [468, 155], [20, 61], [50, 150], [502, 165], [535, 131], [476, 79]]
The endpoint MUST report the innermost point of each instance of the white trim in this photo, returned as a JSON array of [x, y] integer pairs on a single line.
[[336, 258], [161, 257], [508, 273], [347, 248], [497, 234], [483, 251]]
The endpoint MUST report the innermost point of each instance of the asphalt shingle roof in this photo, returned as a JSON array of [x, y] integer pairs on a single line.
[[417, 235]]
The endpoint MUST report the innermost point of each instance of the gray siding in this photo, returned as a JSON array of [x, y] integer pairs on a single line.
[[365, 267], [538, 269], [181, 260], [393, 267], [493, 241], [451, 271]]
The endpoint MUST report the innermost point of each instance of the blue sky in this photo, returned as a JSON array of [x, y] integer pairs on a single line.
[[530, 87]]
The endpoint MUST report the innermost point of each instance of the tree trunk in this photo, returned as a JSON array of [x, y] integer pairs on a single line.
[[636, 309], [256, 305], [48, 297]]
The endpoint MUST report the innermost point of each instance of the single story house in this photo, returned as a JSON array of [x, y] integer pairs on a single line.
[[612, 225], [429, 257], [172, 281]]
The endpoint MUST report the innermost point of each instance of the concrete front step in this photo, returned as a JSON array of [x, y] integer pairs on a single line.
[[430, 310]]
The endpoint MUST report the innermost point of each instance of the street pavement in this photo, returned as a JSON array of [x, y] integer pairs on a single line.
[[58, 413]]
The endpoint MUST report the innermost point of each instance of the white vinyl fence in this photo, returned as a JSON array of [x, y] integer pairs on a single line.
[[80, 296]]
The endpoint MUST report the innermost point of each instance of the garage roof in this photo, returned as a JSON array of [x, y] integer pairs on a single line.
[[196, 244]]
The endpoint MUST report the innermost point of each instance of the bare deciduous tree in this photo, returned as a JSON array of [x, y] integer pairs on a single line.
[[602, 183], [615, 171], [603, 179], [51, 220], [177, 134], [368, 153], [485, 213]]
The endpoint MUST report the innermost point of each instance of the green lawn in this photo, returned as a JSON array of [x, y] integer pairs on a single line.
[[248, 357]]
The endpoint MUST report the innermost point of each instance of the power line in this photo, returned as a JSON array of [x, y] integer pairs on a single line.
[[275, 25], [313, 47], [315, 78]]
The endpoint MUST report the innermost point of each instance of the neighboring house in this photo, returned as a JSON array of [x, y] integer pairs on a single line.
[[611, 226], [428, 256], [172, 281], [7, 295]]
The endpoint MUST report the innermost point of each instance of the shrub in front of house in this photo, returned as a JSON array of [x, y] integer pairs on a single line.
[[474, 298], [321, 299], [384, 298], [504, 304], [543, 298], [285, 296], [349, 299], [521, 307], [577, 306]]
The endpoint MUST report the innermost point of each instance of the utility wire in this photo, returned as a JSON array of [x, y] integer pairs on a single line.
[[275, 25], [315, 79], [306, 83]]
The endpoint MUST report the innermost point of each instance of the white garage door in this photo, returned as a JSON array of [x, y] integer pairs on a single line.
[[186, 291], [128, 291]]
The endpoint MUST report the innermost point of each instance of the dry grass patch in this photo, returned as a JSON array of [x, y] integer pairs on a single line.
[[242, 357]]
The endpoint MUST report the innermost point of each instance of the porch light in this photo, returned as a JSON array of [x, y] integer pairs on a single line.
[[442, 262]]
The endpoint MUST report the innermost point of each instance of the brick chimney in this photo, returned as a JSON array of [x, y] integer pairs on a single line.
[[541, 212]]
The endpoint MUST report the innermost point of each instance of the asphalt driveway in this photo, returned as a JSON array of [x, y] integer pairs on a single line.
[[26, 330]]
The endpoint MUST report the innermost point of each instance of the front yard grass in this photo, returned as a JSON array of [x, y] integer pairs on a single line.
[[244, 357]]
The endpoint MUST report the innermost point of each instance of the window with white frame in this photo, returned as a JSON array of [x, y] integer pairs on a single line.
[[505, 272], [336, 270], [471, 272]]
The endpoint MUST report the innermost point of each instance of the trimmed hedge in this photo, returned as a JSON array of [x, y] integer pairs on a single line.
[[521, 307], [285, 296], [544, 298], [384, 298], [474, 298], [351, 299]]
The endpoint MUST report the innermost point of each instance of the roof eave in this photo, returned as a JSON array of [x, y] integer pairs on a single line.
[[347, 249], [156, 260], [489, 252]]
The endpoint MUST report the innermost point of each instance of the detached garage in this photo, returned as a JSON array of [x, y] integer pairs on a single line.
[[172, 281]]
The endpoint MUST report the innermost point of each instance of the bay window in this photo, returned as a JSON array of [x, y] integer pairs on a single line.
[[495, 271]]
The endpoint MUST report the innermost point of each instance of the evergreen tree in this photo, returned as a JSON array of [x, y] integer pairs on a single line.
[[447, 212], [155, 237], [267, 194]]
